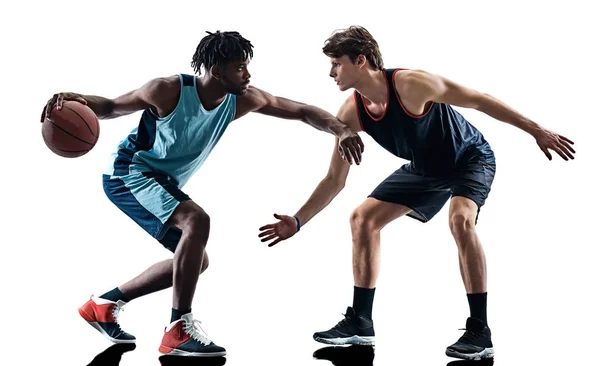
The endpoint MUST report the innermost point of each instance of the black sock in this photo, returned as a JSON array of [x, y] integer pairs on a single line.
[[363, 301], [478, 306], [114, 295], [176, 314]]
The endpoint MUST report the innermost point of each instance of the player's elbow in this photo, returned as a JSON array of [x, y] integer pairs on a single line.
[[481, 101]]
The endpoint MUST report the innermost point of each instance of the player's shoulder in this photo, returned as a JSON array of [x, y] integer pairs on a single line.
[[163, 92], [348, 112], [254, 96], [165, 83], [349, 105]]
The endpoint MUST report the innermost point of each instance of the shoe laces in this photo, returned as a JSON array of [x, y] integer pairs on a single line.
[[194, 329], [343, 322], [469, 336]]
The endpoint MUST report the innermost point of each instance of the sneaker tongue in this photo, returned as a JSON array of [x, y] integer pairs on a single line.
[[350, 312], [474, 324], [189, 318]]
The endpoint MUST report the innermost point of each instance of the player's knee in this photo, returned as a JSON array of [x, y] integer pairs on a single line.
[[198, 223], [462, 223], [360, 220], [204, 263]]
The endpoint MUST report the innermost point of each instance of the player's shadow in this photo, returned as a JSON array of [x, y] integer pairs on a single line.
[[346, 356], [112, 355], [484, 362], [191, 361]]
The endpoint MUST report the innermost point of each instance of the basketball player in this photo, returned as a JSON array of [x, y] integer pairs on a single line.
[[410, 114], [183, 118]]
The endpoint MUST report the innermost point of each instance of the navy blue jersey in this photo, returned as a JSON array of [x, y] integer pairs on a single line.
[[436, 142]]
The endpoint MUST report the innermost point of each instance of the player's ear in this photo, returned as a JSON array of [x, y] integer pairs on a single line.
[[361, 60], [215, 72]]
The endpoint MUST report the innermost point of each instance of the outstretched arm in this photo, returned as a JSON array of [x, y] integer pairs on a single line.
[[421, 87], [157, 93], [256, 100], [326, 191]]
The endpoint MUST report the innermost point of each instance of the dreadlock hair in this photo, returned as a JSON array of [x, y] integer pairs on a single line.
[[354, 41], [219, 49]]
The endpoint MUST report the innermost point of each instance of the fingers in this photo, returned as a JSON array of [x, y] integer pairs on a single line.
[[267, 232], [361, 144], [546, 152], [59, 102], [357, 150], [563, 152], [275, 242], [81, 100], [566, 139], [270, 237], [566, 143], [43, 114], [347, 155], [270, 226], [50, 105]]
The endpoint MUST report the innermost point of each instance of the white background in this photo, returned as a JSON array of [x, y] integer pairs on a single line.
[[62, 240]]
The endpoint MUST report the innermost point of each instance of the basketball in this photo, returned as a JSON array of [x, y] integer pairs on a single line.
[[71, 131]]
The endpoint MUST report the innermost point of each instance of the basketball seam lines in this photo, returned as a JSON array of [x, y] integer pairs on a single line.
[[49, 143], [83, 119], [70, 134]]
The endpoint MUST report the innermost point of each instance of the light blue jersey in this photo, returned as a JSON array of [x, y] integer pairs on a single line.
[[178, 144]]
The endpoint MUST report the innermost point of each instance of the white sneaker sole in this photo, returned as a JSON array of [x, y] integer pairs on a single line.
[[486, 353], [177, 352], [358, 340]]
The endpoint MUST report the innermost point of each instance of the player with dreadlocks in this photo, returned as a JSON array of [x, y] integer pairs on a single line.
[[183, 118]]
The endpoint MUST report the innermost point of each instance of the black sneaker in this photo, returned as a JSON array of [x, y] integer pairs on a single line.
[[475, 344], [353, 329]]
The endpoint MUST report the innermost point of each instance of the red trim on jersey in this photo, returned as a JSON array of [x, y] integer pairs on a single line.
[[386, 106], [358, 111], [400, 101]]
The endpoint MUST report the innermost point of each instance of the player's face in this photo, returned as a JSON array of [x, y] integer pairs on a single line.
[[235, 77], [344, 72]]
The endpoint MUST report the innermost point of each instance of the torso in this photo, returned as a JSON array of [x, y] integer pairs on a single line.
[[432, 136]]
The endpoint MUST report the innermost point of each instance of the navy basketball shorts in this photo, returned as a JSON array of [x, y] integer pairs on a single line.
[[426, 195], [149, 199]]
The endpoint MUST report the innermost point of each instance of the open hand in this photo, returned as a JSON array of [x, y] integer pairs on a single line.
[[548, 140], [57, 100], [284, 229], [351, 146]]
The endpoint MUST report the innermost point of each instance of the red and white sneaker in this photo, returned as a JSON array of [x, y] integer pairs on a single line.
[[185, 337], [104, 316]]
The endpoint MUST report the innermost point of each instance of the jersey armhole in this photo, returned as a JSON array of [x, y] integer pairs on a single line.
[[400, 101], [181, 86], [358, 110]]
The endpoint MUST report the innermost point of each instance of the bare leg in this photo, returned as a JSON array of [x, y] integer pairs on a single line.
[[366, 223], [194, 223], [463, 213], [156, 278]]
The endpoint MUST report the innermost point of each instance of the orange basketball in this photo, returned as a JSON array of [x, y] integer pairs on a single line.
[[71, 131]]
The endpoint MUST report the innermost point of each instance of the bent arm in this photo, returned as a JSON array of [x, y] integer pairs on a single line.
[[335, 180], [328, 188], [429, 87], [155, 93]]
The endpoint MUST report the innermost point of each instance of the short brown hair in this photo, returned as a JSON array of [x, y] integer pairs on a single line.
[[352, 42]]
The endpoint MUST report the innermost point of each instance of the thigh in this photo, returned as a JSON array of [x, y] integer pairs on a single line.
[[424, 195], [474, 181], [149, 199], [381, 213]]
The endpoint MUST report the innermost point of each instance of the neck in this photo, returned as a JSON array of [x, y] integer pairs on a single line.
[[210, 91], [373, 86]]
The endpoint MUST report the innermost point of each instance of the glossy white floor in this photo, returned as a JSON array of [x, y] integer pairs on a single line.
[[63, 240]]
